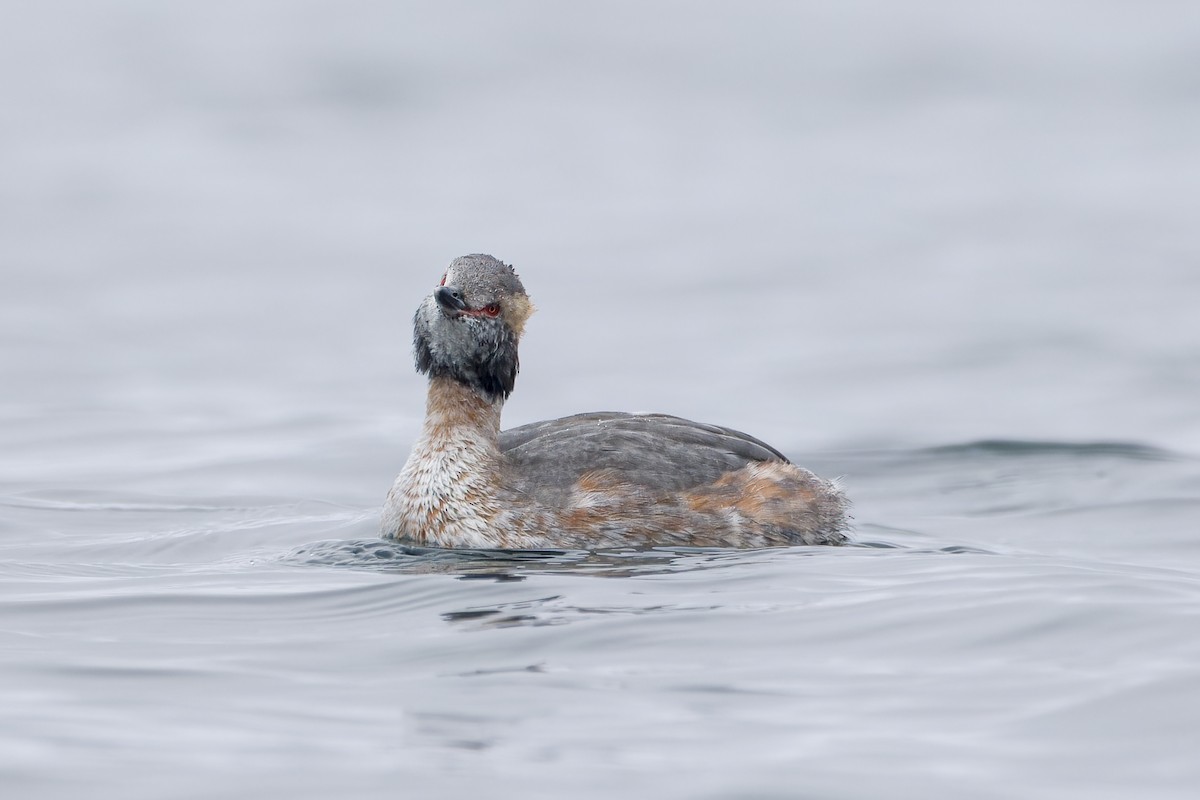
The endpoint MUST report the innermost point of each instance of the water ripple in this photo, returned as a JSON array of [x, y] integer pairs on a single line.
[[1007, 448]]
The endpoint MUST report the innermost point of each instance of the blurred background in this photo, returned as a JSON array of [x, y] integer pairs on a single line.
[[845, 225], [870, 233]]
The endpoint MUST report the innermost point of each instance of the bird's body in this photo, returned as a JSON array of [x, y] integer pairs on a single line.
[[595, 480]]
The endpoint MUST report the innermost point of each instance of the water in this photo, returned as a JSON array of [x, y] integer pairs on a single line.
[[947, 253]]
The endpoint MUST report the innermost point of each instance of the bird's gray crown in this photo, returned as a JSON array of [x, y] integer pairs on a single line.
[[483, 279]]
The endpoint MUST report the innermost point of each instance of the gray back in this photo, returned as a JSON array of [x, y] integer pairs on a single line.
[[659, 452]]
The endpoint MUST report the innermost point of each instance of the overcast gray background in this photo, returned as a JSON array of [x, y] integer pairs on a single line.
[[861, 223], [855, 229]]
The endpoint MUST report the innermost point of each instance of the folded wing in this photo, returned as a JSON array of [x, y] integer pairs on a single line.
[[659, 452]]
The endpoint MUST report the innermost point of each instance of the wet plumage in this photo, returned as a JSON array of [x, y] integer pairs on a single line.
[[602, 479]]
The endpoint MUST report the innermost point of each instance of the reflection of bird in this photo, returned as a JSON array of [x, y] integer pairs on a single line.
[[593, 480]]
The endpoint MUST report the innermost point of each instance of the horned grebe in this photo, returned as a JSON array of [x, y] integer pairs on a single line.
[[605, 479]]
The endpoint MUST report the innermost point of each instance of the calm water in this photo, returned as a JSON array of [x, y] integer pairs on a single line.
[[950, 255]]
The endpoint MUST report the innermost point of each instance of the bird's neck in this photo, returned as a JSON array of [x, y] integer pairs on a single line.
[[446, 495], [454, 410]]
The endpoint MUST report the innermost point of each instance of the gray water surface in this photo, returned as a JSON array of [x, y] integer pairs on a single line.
[[944, 252]]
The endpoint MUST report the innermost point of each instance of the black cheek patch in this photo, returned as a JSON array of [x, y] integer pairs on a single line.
[[496, 372], [498, 376], [489, 366], [422, 352]]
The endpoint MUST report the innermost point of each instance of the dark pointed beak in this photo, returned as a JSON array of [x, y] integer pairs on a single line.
[[450, 299]]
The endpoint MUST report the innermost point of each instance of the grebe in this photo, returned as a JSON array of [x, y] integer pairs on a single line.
[[605, 479]]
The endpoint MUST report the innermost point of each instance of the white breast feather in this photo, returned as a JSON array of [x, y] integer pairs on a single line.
[[443, 496]]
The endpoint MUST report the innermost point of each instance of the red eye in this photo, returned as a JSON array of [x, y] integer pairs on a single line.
[[492, 310], [443, 283]]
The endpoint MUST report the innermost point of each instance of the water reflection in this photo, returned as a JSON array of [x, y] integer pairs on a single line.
[[514, 565]]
